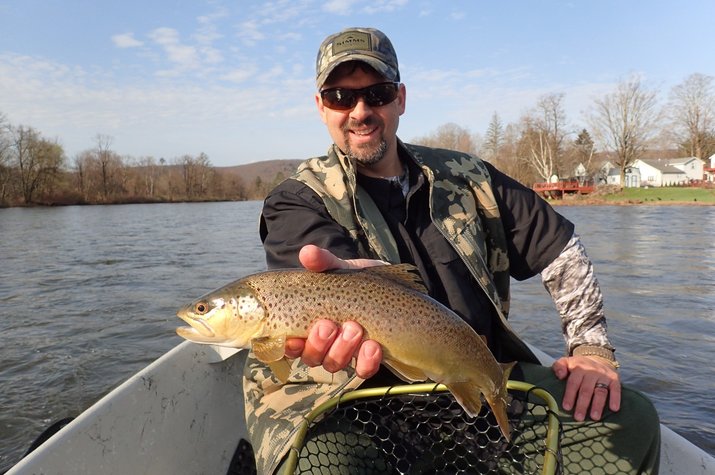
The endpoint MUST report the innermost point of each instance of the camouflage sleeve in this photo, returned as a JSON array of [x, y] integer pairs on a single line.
[[275, 410], [570, 281]]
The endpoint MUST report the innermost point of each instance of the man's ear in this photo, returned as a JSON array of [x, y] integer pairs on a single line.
[[321, 107], [402, 98]]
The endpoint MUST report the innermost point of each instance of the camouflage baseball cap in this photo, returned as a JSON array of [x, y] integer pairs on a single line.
[[368, 45]]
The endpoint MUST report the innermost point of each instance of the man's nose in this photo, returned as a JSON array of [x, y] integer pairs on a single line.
[[361, 109]]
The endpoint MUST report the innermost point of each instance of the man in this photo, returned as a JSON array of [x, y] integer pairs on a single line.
[[466, 226]]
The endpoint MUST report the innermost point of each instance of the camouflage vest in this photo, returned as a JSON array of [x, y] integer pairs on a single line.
[[465, 211]]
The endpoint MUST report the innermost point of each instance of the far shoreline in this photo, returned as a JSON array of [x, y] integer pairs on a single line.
[[595, 202]]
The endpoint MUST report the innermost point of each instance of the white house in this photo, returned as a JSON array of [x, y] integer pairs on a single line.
[[611, 175], [658, 172], [710, 171]]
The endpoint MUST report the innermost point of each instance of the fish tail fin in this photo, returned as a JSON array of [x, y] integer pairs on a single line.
[[498, 401], [498, 406]]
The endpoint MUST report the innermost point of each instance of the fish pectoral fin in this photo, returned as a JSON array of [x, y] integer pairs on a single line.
[[271, 350], [468, 395], [405, 372], [281, 369]]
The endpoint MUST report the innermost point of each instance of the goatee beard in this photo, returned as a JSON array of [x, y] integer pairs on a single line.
[[367, 154]]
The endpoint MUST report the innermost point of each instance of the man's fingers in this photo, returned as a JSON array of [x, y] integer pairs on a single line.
[[584, 398], [573, 383], [368, 359], [598, 401], [334, 347], [614, 396], [316, 259], [589, 386], [321, 336], [345, 346], [560, 368], [295, 347]]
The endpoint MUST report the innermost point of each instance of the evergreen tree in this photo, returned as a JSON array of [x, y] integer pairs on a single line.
[[494, 137]]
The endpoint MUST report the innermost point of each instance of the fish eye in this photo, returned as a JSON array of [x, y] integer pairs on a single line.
[[201, 308]]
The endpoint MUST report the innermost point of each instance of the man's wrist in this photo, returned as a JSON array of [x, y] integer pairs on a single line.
[[605, 354]]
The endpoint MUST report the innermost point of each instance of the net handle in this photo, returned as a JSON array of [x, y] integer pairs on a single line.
[[552, 432]]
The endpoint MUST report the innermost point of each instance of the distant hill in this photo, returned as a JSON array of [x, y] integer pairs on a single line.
[[267, 170]]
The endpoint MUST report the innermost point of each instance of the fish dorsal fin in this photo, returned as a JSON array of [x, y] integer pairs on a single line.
[[403, 274]]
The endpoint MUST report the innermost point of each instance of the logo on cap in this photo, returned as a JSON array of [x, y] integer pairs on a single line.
[[354, 40]]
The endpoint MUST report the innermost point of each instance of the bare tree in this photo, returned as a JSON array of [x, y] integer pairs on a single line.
[[624, 121], [108, 161], [196, 172], [450, 136], [509, 160], [149, 171], [692, 110], [82, 164], [543, 134], [37, 161], [205, 173], [5, 170]]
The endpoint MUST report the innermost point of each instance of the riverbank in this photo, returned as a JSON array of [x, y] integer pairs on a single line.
[[675, 196], [679, 196]]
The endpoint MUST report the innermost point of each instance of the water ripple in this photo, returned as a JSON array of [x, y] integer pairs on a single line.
[[89, 296]]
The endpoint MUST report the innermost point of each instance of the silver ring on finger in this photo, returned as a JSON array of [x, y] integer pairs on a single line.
[[602, 386]]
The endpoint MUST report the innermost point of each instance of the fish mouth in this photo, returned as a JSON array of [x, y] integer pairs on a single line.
[[198, 331]]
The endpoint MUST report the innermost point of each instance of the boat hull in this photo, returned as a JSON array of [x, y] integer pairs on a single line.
[[181, 414], [184, 413]]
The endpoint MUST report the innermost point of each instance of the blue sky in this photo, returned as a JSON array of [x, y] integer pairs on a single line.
[[236, 79]]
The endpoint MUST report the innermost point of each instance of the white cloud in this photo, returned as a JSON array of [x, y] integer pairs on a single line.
[[458, 15], [207, 32], [240, 74], [384, 6], [250, 32], [126, 40], [339, 7], [159, 118], [348, 7], [184, 56]]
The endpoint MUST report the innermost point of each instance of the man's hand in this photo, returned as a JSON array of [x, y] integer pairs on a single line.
[[590, 382], [328, 344]]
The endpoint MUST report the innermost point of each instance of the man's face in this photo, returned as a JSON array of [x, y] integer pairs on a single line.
[[367, 134]]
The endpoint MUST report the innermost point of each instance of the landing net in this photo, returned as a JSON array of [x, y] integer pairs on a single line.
[[421, 429]]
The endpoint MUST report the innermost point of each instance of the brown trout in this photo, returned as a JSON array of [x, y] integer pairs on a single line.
[[421, 338]]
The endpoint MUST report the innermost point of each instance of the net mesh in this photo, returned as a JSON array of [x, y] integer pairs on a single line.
[[427, 432]]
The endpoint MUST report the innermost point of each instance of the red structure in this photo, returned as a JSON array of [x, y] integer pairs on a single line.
[[560, 188]]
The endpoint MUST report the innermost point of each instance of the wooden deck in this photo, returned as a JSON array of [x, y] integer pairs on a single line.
[[563, 187]]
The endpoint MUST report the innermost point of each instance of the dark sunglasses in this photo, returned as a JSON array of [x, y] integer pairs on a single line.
[[342, 98]]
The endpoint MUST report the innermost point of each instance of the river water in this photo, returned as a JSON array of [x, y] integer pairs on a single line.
[[88, 297]]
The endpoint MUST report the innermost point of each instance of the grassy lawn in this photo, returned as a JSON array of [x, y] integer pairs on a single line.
[[675, 194]]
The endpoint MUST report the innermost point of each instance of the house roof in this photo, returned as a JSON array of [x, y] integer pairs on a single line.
[[667, 165]]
